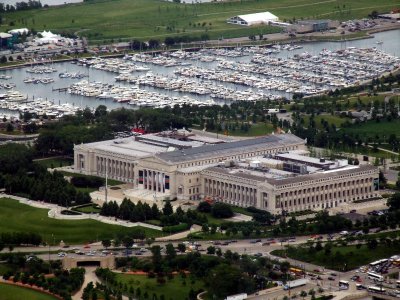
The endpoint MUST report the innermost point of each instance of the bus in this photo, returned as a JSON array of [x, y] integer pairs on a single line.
[[374, 276], [343, 285], [376, 289], [378, 262], [296, 272]]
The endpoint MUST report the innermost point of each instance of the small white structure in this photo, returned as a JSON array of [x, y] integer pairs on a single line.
[[19, 31], [48, 38], [4, 35], [253, 19]]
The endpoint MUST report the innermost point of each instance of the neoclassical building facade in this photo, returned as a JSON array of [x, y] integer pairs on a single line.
[[187, 169]]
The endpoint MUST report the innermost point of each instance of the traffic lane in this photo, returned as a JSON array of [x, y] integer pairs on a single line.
[[279, 294]]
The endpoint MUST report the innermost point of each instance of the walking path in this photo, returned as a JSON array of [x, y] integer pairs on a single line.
[[90, 276], [179, 235]]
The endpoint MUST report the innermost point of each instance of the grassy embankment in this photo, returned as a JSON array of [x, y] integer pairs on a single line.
[[9, 292], [145, 19], [15, 216]]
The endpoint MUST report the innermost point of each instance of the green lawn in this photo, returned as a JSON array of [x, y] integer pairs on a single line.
[[55, 162], [349, 255], [106, 19], [382, 129], [172, 289], [90, 208], [338, 121], [241, 210], [257, 129], [20, 217], [9, 292]]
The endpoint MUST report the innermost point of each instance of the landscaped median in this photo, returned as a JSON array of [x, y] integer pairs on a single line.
[[337, 256]]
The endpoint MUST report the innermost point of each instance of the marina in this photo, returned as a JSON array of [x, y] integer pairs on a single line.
[[204, 77]]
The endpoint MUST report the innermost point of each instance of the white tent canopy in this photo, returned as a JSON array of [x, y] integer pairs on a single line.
[[48, 38], [253, 19]]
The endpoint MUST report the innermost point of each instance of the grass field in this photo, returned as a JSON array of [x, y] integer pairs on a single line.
[[112, 19], [55, 162], [338, 121], [382, 129], [349, 255], [90, 208], [9, 292], [15, 216], [172, 289]]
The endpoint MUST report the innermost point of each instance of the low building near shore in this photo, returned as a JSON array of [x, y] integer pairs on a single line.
[[253, 19]]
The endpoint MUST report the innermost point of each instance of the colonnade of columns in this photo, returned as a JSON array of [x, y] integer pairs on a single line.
[[116, 169], [231, 193], [154, 180]]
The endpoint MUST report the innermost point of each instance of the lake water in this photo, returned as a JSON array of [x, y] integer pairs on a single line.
[[44, 2], [390, 39]]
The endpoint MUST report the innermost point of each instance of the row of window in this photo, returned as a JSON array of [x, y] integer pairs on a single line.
[[328, 187], [327, 196]]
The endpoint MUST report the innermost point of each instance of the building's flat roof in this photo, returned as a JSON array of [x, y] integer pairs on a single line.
[[258, 17], [305, 159], [167, 141], [125, 146], [230, 148], [322, 175], [4, 35], [205, 139], [274, 179]]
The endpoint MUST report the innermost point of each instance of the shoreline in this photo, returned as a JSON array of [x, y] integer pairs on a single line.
[[228, 44]]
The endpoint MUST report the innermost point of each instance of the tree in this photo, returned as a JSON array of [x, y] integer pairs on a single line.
[[157, 259], [222, 210], [169, 41], [394, 201], [303, 294], [181, 247], [211, 250], [372, 244], [106, 243], [227, 280], [9, 127], [170, 251], [204, 206], [167, 209]]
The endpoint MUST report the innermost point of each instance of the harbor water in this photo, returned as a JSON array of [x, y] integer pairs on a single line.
[[388, 42]]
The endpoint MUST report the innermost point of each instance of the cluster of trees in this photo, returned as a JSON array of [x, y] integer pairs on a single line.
[[322, 223], [218, 210], [223, 274], [32, 272], [31, 4], [172, 40], [12, 239], [141, 212], [19, 175], [45, 186], [87, 181]]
